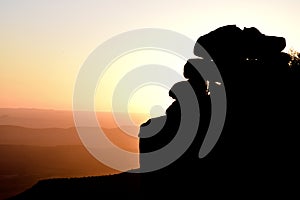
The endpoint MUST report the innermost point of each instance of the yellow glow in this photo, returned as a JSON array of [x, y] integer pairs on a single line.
[[44, 43], [145, 96]]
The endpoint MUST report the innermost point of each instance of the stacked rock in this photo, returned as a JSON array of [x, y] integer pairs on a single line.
[[158, 132], [256, 76]]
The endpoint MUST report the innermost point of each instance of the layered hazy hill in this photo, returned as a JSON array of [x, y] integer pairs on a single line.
[[39, 144], [39, 118]]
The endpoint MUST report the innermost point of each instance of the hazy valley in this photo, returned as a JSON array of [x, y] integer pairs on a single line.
[[32, 148]]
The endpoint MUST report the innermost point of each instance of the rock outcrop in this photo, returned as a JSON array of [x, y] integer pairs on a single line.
[[257, 139]]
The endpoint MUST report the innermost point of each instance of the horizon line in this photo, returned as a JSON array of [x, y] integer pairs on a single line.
[[62, 110]]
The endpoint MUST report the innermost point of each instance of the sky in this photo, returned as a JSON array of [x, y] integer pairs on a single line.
[[44, 43]]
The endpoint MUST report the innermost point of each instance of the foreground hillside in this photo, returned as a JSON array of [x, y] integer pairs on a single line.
[[84, 188], [184, 185]]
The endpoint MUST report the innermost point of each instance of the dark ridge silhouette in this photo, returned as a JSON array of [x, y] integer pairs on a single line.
[[257, 152], [100, 187]]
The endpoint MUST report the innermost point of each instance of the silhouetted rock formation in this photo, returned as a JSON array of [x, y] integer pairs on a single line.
[[255, 72], [257, 152], [258, 139], [169, 124]]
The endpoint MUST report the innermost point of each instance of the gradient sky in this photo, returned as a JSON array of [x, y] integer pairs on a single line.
[[43, 43]]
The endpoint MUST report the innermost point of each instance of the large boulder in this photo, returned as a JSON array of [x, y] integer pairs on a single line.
[[231, 42], [257, 139]]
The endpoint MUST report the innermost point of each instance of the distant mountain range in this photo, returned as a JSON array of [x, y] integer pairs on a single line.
[[16, 135], [42, 118], [39, 144]]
